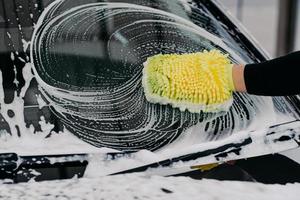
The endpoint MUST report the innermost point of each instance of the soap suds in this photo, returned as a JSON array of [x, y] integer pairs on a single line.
[[105, 105], [111, 110]]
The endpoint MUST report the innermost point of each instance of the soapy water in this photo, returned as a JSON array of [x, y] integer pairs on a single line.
[[87, 60]]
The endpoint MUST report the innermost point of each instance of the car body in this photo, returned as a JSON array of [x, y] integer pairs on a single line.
[[71, 84]]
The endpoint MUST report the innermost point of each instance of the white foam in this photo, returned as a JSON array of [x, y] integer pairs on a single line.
[[261, 111]]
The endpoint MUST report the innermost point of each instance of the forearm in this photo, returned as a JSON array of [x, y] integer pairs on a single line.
[[276, 77]]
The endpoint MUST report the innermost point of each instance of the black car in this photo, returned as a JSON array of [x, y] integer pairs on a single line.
[[71, 90]]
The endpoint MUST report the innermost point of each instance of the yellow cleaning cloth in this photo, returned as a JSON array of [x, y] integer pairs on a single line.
[[197, 82]]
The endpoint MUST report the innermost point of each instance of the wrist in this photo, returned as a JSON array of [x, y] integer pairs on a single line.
[[238, 78]]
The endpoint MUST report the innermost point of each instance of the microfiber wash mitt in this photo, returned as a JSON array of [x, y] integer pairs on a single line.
[[197, 82]]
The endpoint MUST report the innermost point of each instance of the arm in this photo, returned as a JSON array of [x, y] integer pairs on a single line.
[[238, 78], [276, 77]]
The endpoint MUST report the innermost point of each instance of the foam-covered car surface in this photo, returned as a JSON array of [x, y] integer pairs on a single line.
[[75, 68]]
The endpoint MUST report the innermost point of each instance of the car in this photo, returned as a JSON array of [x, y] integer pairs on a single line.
[[71, 93]]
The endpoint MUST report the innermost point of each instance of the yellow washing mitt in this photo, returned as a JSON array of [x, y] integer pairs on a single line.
[[197, 82]]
